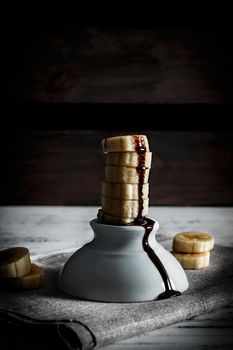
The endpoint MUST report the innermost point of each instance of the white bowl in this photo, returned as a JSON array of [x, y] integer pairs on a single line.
[[113, 267]]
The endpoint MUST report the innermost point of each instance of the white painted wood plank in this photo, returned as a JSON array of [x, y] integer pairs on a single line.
[[47, 229], [218, 221]]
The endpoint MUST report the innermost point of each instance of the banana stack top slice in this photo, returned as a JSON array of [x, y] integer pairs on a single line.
[[126, 143]]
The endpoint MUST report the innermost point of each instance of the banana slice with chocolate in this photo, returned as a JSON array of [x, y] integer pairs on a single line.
[[125, 143], [124, 191], [114, 220], [128, 175], [127, 159], [124, 208]]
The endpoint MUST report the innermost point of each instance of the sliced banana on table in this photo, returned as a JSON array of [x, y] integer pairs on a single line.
[[193, 242], [17, 271], [33, 279], [194, 261], [14, 262], [192, 249]]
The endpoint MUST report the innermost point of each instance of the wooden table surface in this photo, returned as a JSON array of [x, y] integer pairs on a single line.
[[46, 229]]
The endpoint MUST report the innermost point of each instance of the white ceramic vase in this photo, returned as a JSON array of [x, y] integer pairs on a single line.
[[113, 267]]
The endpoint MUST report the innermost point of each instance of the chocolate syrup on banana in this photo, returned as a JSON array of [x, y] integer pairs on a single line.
[[148, 224], [141, 150]]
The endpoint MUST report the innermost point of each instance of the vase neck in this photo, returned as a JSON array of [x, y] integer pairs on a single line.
[[128, 238]]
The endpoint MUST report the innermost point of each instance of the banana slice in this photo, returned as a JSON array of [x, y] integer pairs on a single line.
[[113, 220], [128, 143], [127, 159], [193, 242], [123, 208], [124, 191], [14, 262], [193, 261], [129, 175], [33, 279]]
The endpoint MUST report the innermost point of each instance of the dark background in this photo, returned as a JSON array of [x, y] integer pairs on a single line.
[[168, 65], [70, 85]]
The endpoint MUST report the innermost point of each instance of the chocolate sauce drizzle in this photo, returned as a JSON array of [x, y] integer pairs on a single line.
[[169, 292], [148, 224], [141, 150]]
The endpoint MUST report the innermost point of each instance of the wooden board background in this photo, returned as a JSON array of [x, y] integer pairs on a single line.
[[121, 65], [96, 67], [66, 167]]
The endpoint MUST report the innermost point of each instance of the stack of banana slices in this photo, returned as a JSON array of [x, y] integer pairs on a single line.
[[125, 191], [192, 249], [16, 269]]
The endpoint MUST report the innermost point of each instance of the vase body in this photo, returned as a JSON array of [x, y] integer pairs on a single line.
[[113, 267]]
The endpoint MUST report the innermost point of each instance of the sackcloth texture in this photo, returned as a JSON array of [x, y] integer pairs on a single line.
[[80, 324]]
